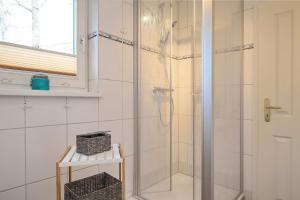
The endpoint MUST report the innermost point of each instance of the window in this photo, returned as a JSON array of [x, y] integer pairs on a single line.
[[43, 36]]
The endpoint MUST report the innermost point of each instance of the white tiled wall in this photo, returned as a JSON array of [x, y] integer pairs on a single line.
[[184, 88], [12, 151], [35, 131]]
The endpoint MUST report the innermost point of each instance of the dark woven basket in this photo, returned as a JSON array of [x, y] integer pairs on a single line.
[[98, 187], [93, 143]]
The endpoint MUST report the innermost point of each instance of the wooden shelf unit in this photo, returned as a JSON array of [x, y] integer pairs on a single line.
[[71, 159]]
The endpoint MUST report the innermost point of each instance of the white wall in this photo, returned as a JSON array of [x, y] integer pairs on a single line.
[[35, 131]]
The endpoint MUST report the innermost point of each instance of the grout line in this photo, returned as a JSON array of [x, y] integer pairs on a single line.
[[108, 79], [20, 186], [82, 122], [50, 125], [111, 120], [25, 141], [15, 128], [67, 120]]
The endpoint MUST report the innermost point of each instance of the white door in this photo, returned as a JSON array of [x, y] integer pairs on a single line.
[[278, 48]]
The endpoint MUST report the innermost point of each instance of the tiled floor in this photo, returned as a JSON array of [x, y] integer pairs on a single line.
[[183, 190]]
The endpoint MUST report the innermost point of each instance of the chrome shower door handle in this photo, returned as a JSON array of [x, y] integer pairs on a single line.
[[268, 108]]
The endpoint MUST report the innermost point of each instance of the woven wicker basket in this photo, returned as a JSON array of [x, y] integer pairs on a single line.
[[93, 143], [98, 187]]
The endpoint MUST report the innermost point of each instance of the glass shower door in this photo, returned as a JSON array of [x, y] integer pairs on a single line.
[[156, 102], [197, 99], [222, 53], [227, 65]]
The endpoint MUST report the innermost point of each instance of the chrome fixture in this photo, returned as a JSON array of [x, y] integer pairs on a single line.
[[162, 90]]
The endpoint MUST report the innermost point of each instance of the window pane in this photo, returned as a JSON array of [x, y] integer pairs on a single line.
[[44, 24]]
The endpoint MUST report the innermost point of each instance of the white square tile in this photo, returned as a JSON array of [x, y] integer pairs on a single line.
[[116, 130], [127, 63], [44, 146], [43, 111], [175, 128], [185, 73], [248, 137], [45, 189], [111, 101], [249, 26], [190, 159], [155, 135], [129, 174], [12, 154], [248, 176], [110, 16], [175, 72], [185, 129], [183, 16], [249, 67], [110, 59], [128, 136], [128, 19], [185, 101], [12, 109], [175, 156], [82, 110], [183, 157], [82, 128], [111, 169], [248, 102], [13, 194], [128, 101], [149, 102], [175, 95], [84, 173]]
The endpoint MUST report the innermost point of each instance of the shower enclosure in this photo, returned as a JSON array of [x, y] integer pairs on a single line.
[[188, 73]]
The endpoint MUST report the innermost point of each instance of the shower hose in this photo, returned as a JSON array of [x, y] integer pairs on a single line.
[[166, 123]]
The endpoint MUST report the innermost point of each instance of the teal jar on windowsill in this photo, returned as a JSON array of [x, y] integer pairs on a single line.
[[40, 82]]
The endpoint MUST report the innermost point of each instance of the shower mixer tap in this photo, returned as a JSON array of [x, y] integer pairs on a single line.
[[161, 90]]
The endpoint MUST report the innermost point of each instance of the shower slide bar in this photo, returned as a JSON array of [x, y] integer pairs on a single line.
[[157, 51], [222, 51], [111, 37]]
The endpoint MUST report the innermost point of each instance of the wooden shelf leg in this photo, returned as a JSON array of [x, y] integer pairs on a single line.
[[122, 173], [70, 174], [58, 182], [123, 179]]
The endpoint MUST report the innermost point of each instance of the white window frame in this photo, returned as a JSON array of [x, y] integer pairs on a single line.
[[18, 79]]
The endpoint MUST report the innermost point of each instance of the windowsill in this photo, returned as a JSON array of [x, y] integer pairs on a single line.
[[50, 93]]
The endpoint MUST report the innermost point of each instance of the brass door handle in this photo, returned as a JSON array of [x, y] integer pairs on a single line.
[[273, 107], [268, 108]]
